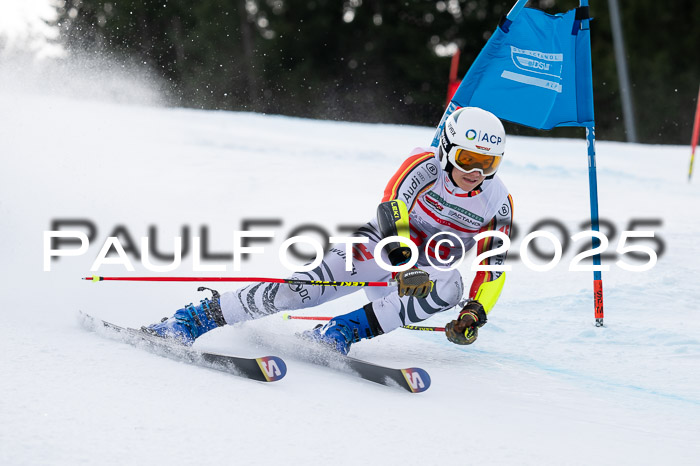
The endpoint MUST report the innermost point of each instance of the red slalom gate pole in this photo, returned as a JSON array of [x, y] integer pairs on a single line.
[[291, 281], [694, 138], [453, 82], [326, 319]]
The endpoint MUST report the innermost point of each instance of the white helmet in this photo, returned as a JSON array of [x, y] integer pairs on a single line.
[[472, 140]]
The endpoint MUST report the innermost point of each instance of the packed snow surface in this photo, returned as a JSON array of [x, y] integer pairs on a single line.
[[542, 385]]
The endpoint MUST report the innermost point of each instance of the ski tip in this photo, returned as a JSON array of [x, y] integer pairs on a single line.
[[272, 367], [417, 379]]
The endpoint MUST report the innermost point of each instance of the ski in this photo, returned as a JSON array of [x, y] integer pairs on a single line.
[[412, 379], [263, 369]]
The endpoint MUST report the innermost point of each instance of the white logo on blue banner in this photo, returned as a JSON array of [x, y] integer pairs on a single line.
[[533, 61]]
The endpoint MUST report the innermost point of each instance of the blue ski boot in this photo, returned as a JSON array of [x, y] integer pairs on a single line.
[[191, 321], [342, 331]]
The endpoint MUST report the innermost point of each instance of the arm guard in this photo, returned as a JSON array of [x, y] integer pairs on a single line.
[[392, 217], [488, 292]]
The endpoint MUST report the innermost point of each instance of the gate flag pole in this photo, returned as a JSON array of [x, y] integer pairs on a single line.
[[593, 191], [595, 226]]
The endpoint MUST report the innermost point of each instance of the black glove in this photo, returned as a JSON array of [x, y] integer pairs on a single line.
[[461, 338], [465, 329], [414, 282]]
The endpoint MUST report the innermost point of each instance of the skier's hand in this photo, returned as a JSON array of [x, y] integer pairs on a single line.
[[414, 282], [465, 329]]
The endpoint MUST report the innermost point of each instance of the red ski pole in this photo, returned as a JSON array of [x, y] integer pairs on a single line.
[[292, 281]]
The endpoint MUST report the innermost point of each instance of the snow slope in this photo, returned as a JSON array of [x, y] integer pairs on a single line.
[[542, 385]]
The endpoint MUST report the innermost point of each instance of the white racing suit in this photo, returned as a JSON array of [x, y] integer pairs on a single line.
[[435, 205]]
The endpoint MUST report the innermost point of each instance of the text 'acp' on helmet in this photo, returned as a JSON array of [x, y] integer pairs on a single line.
[[476, 130]]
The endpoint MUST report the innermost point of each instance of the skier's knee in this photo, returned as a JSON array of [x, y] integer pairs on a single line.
[[448, 288], [291, 297]]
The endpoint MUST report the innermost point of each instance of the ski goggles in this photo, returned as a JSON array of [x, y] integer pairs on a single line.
[[469, 161]]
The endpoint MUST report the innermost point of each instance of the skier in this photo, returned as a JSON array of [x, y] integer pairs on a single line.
[[450, 189]]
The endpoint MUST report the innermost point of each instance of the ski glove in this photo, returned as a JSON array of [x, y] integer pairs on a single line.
[[465, 329], [414, 282]]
